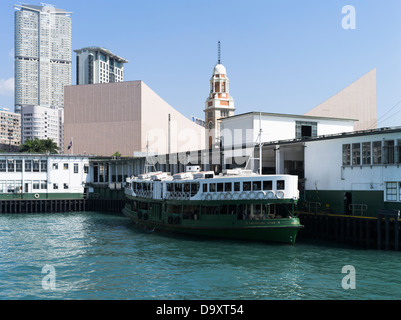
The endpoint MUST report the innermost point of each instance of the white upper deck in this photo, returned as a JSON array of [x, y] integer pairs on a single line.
[[233, 185]]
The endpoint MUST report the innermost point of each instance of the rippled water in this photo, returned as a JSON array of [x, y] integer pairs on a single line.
[[103, 256]]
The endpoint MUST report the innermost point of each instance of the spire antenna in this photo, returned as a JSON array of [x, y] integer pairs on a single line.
[[219, 53]]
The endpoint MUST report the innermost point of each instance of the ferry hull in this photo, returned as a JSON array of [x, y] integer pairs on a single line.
[[275, 230]]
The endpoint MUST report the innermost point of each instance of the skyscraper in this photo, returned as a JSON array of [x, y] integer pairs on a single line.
[[42, 58], [99, 65]]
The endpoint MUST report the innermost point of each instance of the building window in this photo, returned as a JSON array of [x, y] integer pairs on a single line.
[[86, 168], [346, 154], [10, 164], [43, 166], [366, 153], [35, 166], [391, 191], [28, 165], [388, 152], [3, 165], [398, 152], [377, 152], [305, 129], [18, 165], [65, 166], [75, 167], [356, 154]]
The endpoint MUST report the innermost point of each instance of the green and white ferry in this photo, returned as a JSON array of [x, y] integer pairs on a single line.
[[237, 204]]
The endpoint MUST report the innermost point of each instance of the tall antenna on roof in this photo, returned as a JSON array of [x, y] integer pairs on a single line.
[[219, 53]]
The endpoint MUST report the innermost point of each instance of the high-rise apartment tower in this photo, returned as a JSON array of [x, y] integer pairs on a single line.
[[99, 65], [43, 54]]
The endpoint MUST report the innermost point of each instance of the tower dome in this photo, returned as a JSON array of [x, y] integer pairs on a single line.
[[219, 69]]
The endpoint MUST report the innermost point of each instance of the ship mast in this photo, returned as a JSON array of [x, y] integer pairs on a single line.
[[260, 143], [252, 156]]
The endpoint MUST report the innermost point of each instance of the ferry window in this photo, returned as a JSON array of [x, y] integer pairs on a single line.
[[43, 184], [55, 166], [187, 187], [75, 167], [28, 166], [18, 165], [227, 186], [175, 209], [43, 165], [169, 187], [65, 185], [346, 154], [143, 205], [280, 185], [237, 186], [55, 186], [208, 176], [356, 154], [256, 186], [194, 188], [204, 188], [178, 187], [212, 187], [210, 210], [377, 152], [366, 155], [35, 185], [267, 185], [65, 166], [247, 186], [219, 187], [86, 168]]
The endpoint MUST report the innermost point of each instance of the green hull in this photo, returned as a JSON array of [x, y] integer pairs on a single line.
[[220, 226]]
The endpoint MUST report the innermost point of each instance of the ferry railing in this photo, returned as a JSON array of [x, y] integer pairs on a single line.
[[360, 208]]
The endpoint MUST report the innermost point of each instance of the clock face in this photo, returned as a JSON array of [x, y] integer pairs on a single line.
[[210, 125]]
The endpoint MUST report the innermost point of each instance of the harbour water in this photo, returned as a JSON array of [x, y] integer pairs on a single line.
[[93, 255]]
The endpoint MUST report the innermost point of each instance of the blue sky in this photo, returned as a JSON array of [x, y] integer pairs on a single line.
[[284, 56]]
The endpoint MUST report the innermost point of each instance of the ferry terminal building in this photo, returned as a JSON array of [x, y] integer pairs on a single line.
[[343, 166]]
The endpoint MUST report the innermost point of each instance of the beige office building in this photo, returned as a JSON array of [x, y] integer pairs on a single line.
[[125, 117]]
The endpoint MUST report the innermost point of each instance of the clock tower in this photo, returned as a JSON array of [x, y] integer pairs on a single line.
[[219, 104]]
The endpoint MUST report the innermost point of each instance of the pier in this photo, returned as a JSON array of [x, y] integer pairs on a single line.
[[60, 205], [42, 206], [381, 232]]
